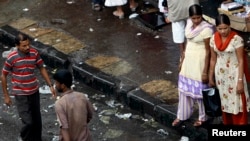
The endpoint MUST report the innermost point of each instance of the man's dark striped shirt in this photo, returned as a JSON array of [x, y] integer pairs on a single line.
[[22, 67]]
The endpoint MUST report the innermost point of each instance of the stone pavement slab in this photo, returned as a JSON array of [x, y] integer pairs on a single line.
[[53, 37], [69, 45], [22, 23], [35, 30]]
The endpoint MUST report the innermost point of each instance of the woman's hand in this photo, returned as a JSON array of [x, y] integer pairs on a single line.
[[211, 83], [240, 87], [204, 78], [181, 61]]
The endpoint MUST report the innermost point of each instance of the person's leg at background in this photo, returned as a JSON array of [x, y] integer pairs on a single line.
[[133, 5], [178, 30], [178, 33], [119, 12]]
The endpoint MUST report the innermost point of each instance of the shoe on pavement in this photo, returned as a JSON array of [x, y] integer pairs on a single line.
[[119, 15]]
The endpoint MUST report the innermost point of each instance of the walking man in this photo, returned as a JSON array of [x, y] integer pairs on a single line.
[[21, 65], [74, 111]]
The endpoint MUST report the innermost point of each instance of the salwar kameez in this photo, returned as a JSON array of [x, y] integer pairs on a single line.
[[234, 106], [190, 82]]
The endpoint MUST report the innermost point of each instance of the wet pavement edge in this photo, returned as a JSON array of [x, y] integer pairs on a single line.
[[132, 96]]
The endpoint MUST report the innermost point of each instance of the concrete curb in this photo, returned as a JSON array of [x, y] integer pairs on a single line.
[[130, 95]]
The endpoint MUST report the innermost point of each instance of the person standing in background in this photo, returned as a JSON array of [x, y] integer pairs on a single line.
[[177, 15], [193, 75], [74, 111], [163, 7], [119, 6], [21, 64], [228, 72]]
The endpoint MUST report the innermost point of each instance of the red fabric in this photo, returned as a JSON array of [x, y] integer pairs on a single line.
[[218, 41], [239, 119]]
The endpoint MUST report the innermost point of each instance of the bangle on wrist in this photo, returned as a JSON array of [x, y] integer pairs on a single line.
[[240, 79]]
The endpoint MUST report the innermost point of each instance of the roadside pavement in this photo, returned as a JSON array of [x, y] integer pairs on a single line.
[[121, 58]]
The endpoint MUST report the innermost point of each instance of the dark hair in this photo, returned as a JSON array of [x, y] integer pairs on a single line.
[[195, 10], [222, 19], [20, 37], [63, 76]]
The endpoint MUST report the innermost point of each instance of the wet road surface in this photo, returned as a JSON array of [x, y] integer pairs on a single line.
[[148, 55], [112, 120], [110, 36], [102, 34]]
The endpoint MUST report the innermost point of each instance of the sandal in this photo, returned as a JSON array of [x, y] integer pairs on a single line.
[[134, 7], [198, 123], [176, 122], [96, 7], [119, 15]]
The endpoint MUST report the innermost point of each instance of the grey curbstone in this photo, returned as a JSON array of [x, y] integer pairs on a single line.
[[165, 114], [51, 56], [7, 35], [95, 78], [92, 77], [105, 83], [122, 92], [140, 101], [84, 73]]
